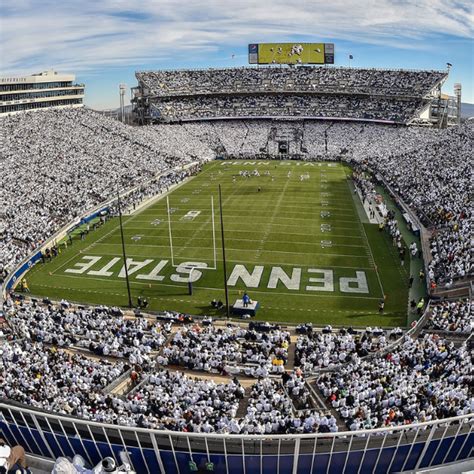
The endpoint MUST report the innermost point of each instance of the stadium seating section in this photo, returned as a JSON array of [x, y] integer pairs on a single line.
[[340, 93], [64, 359]]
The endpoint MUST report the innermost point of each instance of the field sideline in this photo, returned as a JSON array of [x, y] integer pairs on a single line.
[[296, 244]]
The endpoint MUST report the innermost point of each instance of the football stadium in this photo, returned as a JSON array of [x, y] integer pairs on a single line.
[[270, 271]]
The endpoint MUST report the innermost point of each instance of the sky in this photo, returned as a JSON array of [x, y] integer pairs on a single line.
[[104, 42]]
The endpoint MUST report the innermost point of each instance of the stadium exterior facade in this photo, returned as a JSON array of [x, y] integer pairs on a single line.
[[45, 90]]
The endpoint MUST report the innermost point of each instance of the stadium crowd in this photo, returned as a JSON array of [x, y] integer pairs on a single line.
[[435, 181], [369, 94], [67, 383], [57, 164], [54, 379], [327, 349], [228, 350], [421, 380], [418, 380], [271, 408], [101, 330], [326, 106], [306, 79], [173, 401], [454, 316]]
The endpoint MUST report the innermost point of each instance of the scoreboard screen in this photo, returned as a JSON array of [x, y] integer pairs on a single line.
[[291, 53]]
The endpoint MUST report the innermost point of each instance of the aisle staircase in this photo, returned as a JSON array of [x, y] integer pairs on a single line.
[[243, 404]]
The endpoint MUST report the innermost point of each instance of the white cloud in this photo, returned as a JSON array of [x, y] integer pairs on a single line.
[[90, 35]]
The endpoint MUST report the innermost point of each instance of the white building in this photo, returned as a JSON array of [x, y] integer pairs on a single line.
[[39, 91]]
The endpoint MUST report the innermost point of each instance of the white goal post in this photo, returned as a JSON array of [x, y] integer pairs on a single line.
[[214, 250]]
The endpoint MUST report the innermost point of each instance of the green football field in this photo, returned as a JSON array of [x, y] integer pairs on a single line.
[[295, 241]]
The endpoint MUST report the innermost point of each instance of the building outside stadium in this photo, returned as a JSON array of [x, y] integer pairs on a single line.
[[44, 90], [391, 449]]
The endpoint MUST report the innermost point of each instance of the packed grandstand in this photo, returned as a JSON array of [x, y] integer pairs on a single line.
[[65, 358], [395, 96]]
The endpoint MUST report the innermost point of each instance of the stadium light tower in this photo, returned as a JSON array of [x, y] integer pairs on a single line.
[[457, 94], [122, 89]]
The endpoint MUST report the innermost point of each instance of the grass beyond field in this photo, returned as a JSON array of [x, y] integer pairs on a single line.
[[297, 246]]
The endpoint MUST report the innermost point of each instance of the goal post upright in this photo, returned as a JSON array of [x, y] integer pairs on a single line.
[[226, 289], [169, 230], [213, 224], [213, 234]]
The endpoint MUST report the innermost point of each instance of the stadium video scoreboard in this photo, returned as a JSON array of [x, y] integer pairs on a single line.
[[291, 53]]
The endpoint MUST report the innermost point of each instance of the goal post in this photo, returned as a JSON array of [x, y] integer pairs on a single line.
[[169, 230], [213, 229], [213, 235]]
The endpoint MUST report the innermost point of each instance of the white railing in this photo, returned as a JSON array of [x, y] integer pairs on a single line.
[[401, 447], [5, 404]]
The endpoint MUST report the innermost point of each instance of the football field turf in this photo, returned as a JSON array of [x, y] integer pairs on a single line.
[[294, 241]]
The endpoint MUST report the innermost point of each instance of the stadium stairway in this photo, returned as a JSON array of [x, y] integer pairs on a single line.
[[322, 404], [243, 404], [291, 353]]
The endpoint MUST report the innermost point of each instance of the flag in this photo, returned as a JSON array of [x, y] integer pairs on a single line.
[[351, 57]]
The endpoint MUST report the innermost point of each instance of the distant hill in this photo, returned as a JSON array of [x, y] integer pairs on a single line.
[[467, 110]]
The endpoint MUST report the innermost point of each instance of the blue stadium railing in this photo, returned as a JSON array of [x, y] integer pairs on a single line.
[[376, 451]]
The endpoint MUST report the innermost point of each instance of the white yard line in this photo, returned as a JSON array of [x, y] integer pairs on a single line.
[[151, 201], [322, 234], [132, 217], [90, 246], [252, 226], [232, 260], [252, 214], [237, 240], [207, 221], [272, 218], [189, 247], [198, 198]]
